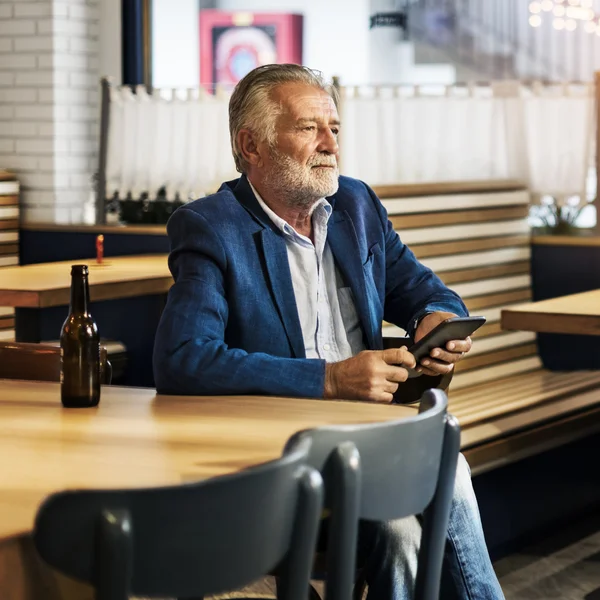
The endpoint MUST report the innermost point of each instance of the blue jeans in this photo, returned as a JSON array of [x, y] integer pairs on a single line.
[[389, 552]]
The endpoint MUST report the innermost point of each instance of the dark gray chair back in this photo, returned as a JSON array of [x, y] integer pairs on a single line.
[[382, 472], [192, 539]]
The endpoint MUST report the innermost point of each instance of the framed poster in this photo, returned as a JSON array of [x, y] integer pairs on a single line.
[[234, 43]]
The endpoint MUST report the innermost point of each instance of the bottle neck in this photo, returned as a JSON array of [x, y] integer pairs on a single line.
[[80, 294]]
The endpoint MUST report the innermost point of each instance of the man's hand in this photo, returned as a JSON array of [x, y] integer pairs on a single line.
[[441, 360], [370, 375]]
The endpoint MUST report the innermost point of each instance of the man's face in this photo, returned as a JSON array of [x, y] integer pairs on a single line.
[[303, 162]]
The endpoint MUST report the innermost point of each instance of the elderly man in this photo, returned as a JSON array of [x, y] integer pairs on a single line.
[[282, 280]]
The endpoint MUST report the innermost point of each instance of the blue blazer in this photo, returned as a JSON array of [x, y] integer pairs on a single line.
[[231, 326]]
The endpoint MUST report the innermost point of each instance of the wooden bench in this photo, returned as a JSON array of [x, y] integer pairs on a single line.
[[476, 237], [9, 243]]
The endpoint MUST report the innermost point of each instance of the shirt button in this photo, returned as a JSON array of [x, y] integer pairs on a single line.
[[326, 346]]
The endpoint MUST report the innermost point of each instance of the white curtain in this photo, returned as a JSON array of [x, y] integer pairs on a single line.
[[174, 140], [559, 131], [403, 135], [394, 135]]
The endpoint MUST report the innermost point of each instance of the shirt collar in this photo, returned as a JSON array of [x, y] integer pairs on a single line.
[[321, 207]]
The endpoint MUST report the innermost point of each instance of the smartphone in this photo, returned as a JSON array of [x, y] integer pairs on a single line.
[[455, 328]]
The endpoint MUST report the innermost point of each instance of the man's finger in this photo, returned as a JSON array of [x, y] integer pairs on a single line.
[[396, 374], [459, 345], [443, 356], [431, 366], [399, 356], [383, 398]]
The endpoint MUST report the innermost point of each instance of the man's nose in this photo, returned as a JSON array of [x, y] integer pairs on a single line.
[[328, 142]]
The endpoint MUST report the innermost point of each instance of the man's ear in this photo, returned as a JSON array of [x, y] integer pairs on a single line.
[[249, 148]]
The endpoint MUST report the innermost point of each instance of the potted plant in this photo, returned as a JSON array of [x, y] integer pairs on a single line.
[[558, 216]]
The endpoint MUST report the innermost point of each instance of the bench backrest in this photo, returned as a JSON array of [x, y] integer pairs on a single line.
[[9, 243], [476, 237]]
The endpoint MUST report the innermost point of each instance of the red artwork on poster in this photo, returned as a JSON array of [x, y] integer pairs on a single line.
[[234, 43]]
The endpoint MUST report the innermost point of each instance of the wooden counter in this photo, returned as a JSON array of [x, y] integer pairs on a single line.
[[572, 314], [138, 438], [48, 284], [96, 229]]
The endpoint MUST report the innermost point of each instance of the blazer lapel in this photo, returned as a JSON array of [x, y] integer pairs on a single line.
[[277, 266], [341, 236], [280, 279]]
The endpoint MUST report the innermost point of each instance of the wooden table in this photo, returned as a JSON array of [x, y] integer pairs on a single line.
[[127, 296], [133, 438], [48, 284], [572, 314]]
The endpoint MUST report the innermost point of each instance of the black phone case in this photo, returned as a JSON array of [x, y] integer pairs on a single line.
[[456, 328]]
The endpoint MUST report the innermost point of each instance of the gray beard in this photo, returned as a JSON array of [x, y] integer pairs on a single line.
[[296, 186]]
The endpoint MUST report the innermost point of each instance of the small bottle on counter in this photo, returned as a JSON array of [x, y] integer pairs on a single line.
[[79, 347]]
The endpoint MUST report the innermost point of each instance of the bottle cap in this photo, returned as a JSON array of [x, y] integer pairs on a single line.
[[79, 269]]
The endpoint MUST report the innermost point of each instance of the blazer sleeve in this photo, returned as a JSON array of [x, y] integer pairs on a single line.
[[190, 354], [411, 289]]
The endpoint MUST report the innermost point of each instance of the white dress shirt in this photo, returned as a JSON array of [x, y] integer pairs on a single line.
[[330, 326]]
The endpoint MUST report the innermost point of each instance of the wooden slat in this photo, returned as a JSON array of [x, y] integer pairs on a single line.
[[7, 322], [447, 187], [478, 273], [426, 235], [487, 330], [521, 384], [9, 249], [472, 289], [483, 215], [9, 260], [475, 260], [488, 409], [478, 409], [474, 245], [498, 299], [538, 429], [492, 358], [435, 204], [506, 339], [9, 236], [495, 372], [9, 200], [9, 224]]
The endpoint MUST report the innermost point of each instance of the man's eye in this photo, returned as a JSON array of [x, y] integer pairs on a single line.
[[309, 128], [335, 130]]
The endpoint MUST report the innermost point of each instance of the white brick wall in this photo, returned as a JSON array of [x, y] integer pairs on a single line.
[[49, 92]]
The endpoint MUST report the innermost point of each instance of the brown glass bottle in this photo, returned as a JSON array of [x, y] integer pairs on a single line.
[[79, 347]]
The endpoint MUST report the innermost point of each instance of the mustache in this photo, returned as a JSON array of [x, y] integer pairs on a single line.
[[322, 160]]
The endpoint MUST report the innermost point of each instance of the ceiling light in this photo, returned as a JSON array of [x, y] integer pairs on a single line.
[[535, 7], [535, 20]]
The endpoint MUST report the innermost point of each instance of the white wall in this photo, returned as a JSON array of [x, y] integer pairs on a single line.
[[49, 104], [335, 36], [175, 60]]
